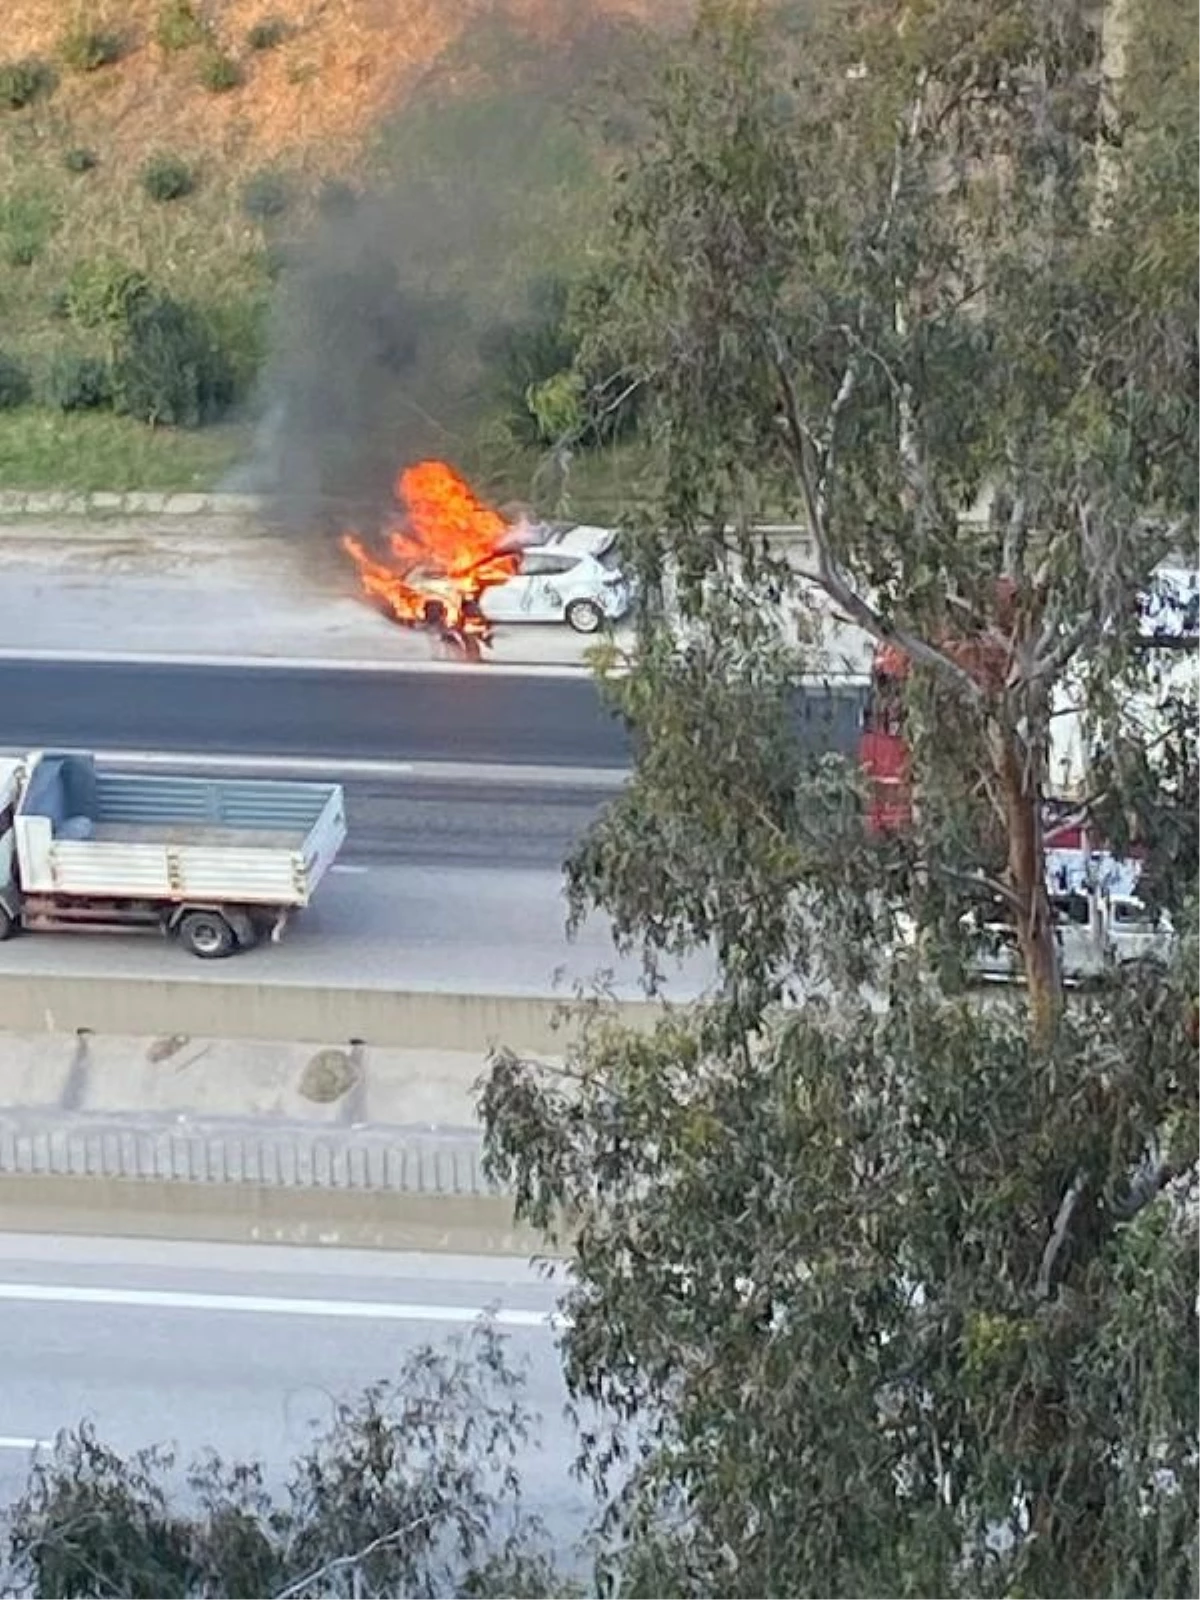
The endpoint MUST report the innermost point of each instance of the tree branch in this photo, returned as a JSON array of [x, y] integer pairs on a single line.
[[806, 459], [1016, 536], [1058, 1235], [1147, 1186], [977, 880], [340, 1563]]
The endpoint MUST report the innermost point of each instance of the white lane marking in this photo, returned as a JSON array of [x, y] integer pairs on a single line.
[[152, 658], [326, 767], [13, 1441], [503, 669], [270, 1305], [349, 871]]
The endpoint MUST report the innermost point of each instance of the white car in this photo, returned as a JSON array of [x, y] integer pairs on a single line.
[[566, 574], [1094, 933]]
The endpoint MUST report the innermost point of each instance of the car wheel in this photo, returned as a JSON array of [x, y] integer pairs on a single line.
[[207, 935], [585, 616]]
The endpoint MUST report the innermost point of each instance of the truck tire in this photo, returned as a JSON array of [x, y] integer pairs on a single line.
[[207, 935], [585, 616]]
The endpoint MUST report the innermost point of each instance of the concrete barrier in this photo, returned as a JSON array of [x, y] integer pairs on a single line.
[[247, 1213], [61, 1003], [392, 1161]]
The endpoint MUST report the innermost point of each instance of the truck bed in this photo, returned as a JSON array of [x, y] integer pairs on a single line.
[[195, 834], [84, 830]]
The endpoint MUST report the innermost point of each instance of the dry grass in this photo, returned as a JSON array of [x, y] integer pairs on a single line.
[[342, 64], [311, 107]]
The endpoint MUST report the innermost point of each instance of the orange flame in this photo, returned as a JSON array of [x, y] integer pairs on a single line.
[[443, 555]]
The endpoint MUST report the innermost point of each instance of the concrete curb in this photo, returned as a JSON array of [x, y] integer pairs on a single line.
[[133, 503]]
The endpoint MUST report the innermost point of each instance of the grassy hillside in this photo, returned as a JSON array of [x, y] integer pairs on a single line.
[[202, 143]]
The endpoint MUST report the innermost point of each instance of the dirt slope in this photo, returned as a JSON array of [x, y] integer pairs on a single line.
[[340, 65]]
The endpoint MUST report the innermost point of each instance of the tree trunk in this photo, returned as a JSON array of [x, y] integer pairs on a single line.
[[1036, 941]]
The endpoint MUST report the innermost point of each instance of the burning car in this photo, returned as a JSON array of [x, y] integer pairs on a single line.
[[454, 565]]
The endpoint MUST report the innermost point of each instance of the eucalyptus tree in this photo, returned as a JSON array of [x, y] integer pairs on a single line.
[[894, 1289], [411, 1489]]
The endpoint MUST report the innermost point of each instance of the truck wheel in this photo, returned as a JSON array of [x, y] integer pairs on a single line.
[[8, 924], [207, 935], [585, 616]]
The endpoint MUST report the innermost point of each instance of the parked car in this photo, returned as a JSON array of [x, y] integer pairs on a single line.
[[567, 574]]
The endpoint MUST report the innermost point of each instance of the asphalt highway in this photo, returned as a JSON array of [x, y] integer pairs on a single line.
[[475, 717], [247, 1348], [447, 928], [471, 717], [482, 822]]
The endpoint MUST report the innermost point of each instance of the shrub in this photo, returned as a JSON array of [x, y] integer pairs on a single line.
[[15, 387], [265, 195], [238, 328], [178, 26], [170, 369], [78, 382], [276, 259], [166, 177], [267, 34], [80, 159], [219, 73], [26, 219], [23, 81], [102, 292], [22, 251], [85, 49], [337, 199]]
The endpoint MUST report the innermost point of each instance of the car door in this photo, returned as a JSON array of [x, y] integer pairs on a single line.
[[542, 576], [509, 601]]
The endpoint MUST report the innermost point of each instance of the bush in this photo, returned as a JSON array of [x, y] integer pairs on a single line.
[[337, 199], [267, 34], [276, 259], [265, 195], [77, 382], [102, 292], [15, 387], [178, 26], [219, 73], [85, 49], [22, 250], [170, 369], [238, 327], [26, 220], [23, 81], [80, 159], [166, 177]]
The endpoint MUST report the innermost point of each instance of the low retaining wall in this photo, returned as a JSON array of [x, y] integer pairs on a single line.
[[394, 1191], [242, 1213], [57, 1003]]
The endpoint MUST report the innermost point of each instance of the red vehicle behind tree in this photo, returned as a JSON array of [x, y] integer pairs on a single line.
[[884, 757]]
